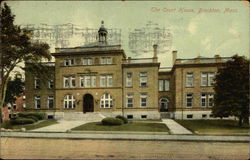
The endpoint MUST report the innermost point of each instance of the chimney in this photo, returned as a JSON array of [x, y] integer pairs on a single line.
[[174, 56], [155, 52], [129, 60]]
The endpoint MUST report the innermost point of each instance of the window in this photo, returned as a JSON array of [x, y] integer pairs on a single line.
[[87, 61], [69, 102], [103, 81], [207, 78], [106, 81], [189, 79], [109, 80], [203, 116], [69, 82], [109, 60], [68, 62], [143, 79], [163, 85], [207, 100], [106, 101], [211, 76], [129, 79], [50, 102], [37, 102], [143, 101], [37, 83], [14, 106], [93, 81], [73, 81], [190, 116], [210, 100], [66, 82], [143, 116], [51, 84], [129, 116], [189, 100], [87, 81], [50, 117], [203, 100], [129, 100], [106, 60]]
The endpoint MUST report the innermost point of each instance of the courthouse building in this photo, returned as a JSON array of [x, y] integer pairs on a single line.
[[98, 79]]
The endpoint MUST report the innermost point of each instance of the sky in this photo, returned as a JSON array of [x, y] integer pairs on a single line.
[[199, 28]]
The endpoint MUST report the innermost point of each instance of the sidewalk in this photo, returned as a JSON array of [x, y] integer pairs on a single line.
[[128, 136], [61, 126], [175, 128]]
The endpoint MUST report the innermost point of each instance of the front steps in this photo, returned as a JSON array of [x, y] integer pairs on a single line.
[[79, 116]]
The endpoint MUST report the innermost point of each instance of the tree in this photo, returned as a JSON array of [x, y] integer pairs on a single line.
[[232, 90], [16, 47], [15, 88]]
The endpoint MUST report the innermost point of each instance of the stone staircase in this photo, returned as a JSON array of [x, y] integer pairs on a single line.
[[79, 116]]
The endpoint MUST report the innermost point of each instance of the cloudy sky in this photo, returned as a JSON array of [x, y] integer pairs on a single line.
[[198, 28]]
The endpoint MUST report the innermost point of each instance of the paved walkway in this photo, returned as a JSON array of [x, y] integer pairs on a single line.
[[175, 128], [128, 136], [61, 126]]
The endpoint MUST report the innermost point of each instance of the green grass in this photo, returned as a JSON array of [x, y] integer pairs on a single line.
[[131, 126], [214, 126], [35, 125]]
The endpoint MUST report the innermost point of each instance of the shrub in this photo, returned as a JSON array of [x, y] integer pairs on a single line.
[[38, 115], [21, 120], [110, 121], [6, 125], [33, 117], [124, 119]]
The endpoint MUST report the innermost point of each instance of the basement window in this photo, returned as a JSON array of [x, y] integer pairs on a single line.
[[204, 116], [130, 116], [50, 117], [143, 116], [190, 116]]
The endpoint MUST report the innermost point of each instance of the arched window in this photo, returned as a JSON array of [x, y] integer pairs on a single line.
[[69, 101], [164, 104], [106, 101]]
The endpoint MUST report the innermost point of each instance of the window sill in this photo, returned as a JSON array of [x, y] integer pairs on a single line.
[[189, 107], [189, 86], [81, 65], [128, 86], [143, 86], [206, 86]]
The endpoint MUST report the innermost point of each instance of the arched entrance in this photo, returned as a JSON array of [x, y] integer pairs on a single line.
[[164, 104], [88, 103]]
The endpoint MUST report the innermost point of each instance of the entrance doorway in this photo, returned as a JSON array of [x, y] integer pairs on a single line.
[[88, 103], [164, 104]]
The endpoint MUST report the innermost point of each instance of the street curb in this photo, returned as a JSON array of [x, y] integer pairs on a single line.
[[124, 136]]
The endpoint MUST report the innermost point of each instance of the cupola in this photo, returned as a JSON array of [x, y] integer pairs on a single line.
[[102, 33]]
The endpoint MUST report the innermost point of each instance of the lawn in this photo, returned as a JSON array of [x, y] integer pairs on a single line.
[[214, 126], [35, 125], [131, 126]]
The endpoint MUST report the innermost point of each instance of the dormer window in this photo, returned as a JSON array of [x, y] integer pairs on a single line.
[[68, 62]]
